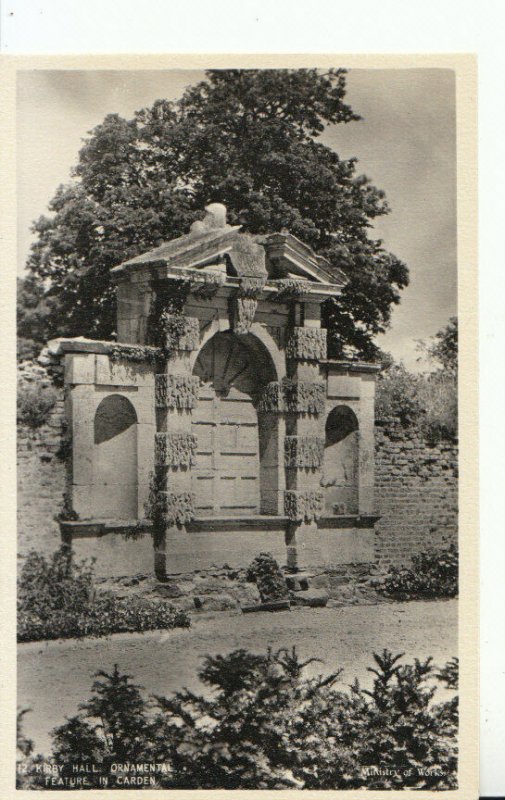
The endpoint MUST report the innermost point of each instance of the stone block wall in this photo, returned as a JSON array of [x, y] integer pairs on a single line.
[[40, 472], [416, 486]]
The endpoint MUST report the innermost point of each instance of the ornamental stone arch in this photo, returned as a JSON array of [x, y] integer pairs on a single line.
[[237, 462]]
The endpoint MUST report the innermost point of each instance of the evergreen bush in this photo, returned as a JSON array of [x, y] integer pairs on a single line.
[[262, 724]]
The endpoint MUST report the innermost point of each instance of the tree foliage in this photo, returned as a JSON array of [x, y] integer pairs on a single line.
[[246, 138], [262, 724]]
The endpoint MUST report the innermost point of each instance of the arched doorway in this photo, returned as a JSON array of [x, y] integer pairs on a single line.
[[236, 471], [115, 459], [341, 461]]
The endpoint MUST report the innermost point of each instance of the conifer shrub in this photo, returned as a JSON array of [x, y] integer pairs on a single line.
[[266, 573], [263, 724]]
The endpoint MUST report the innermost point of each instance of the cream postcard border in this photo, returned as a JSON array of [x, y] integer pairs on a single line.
[[465, 68]]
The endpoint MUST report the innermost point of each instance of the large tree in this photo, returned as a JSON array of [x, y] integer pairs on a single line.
[[246, 138]]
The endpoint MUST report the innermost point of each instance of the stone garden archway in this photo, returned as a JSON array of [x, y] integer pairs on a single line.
[[236, 471]]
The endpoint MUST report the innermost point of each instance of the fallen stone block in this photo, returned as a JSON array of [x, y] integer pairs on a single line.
[[315, 598], [272, 605]]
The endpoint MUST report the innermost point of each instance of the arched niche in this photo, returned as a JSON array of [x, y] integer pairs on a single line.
[[237, 465], [115, 478], [341, 462]]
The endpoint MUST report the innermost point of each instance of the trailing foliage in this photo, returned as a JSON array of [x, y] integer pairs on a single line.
[[295, 397], [247, 138], [303, 452], [177, 391], [135, 353], [35, 403], [266, 573], [303, 505], [175, 449], [433, 575], [179, 332], [306, 344], [262, 724], [57, 599]]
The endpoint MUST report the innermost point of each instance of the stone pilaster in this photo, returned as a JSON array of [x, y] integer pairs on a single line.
[[304, 444], [175, 450]]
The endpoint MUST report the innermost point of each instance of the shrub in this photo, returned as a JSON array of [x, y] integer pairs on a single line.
[[433, 575], [427, 402], [264, 725], [57, 599], [267, 575], [34, 403]]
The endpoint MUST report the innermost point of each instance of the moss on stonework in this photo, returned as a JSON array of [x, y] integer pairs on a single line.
[[301, 397], [175, 449], [136, 353], [177, 391], [306, 344], [303, 452], [303, 506]]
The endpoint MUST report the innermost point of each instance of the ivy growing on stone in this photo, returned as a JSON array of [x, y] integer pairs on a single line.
[[179, 332], [136, 353]]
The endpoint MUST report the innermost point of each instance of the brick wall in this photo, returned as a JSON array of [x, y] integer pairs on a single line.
[[416, 491], [40, 472]]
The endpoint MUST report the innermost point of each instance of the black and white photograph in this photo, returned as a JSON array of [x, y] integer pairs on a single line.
[[238, 493]]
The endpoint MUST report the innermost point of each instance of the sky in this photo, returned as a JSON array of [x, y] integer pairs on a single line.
[[406, 143]]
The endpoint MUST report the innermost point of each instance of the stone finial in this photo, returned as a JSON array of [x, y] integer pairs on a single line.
[[214, 219]]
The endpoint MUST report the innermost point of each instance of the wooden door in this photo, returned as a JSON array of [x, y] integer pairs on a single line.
[[226, 474]]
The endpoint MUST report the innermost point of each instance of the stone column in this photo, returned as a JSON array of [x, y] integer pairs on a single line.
[[175, 450], [304, 443]]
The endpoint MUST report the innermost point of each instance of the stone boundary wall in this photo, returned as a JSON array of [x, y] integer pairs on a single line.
[[416, 486], [416, 490], [40, 471]]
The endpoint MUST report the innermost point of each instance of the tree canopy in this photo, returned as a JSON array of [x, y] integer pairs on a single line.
[[245, 138]]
